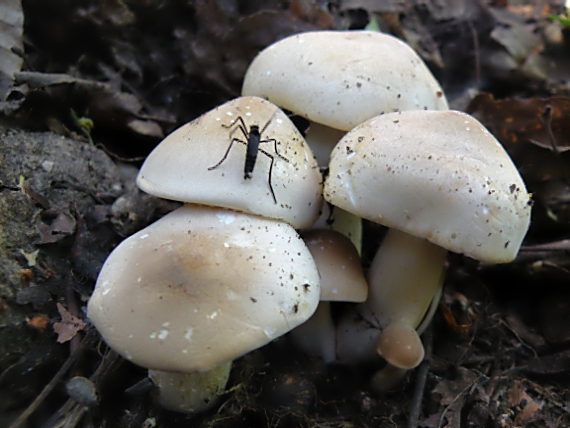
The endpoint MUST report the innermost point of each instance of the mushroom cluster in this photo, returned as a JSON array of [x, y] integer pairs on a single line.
[[227, 272], [337, 80], [436, 178], [440, 182]]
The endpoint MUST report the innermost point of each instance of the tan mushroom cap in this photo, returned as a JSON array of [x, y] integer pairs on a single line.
[[339, 266], [180, 167], [400, 346], [342, 78], [203, 286], [438, 175]]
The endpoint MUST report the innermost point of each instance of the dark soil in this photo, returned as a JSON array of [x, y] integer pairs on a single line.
[[499, 347]]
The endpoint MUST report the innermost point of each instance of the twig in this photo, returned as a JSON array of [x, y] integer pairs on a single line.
[[522, 342], [85, 343], [71, 411], [476, 54], [423, 370], [73, 309], [547, 120]]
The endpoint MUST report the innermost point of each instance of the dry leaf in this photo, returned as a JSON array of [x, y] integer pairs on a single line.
[[69, 325], [518, 397], [39, 322], [59, 228], [453, 394], [516, 121]]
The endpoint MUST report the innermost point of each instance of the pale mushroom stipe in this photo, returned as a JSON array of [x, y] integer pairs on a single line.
[[440, 181]]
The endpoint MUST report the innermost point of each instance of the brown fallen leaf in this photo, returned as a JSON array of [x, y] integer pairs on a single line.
[[69, 325], [57, 229], [39, 322], [519, 398], [312, 13], [454, 394], [549, 365], [522, 120], [109, 108]]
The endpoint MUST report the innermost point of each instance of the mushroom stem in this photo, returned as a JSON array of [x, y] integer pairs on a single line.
[[317, 336], [190, 392], [356, 339], [322, 139], [432, 308], [387, 378], [404, 277], [340, 271]]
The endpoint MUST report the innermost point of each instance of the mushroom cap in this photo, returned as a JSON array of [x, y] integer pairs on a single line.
[[180, 167], [201, 287], [438, 175], [400, 345], [342, 78], [339, 266]]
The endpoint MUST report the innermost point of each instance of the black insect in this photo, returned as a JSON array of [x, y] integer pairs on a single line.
[[253, 138]]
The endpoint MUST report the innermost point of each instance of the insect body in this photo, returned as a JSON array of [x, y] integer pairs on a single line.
[[253, 138]]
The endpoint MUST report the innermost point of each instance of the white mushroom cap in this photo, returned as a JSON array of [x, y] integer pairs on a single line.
[[203, 286], [339, 266], [438, 175], [342, 78], [180, 167]]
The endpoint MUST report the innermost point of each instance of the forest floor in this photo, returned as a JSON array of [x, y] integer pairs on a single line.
[[499, 346]]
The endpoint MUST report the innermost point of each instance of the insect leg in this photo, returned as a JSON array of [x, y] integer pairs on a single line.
[[274, 141], [227, 153], [238, 121], [240, 125], [270, 156]]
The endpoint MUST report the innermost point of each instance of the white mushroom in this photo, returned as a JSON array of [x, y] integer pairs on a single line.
[[341, 280], [202, 162], [211, 284], [342, 78], [201, 287], [337, 80], [440, 181]]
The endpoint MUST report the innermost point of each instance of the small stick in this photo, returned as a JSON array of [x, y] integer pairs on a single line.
[[423, 370], [87, 341]]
